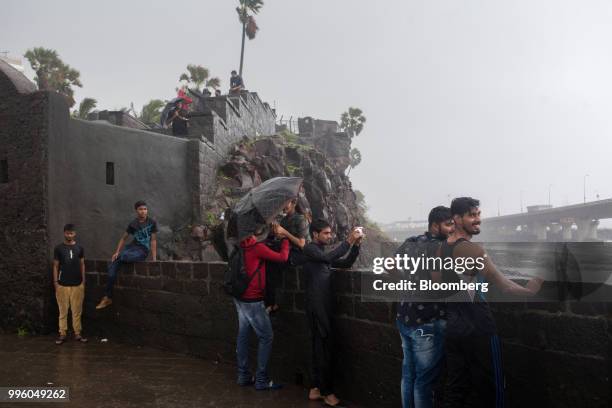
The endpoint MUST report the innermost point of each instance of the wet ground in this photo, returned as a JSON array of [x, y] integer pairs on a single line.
[[117, 375]]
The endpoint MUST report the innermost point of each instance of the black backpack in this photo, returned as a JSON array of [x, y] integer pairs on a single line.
[[236, 281]]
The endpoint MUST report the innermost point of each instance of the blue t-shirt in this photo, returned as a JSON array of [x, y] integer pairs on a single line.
[[142, 231]]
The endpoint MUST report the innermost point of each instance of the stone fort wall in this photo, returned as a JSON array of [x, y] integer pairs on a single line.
[[555, 354], [55, 169]]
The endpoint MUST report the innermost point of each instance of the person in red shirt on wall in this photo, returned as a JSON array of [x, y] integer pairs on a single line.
[[186, 99], [252, 312]]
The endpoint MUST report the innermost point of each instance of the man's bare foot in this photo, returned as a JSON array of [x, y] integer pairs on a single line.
[[314, 394], [331, 400]]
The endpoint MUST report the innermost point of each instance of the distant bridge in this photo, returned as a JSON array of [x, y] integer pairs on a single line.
[[576, 222]]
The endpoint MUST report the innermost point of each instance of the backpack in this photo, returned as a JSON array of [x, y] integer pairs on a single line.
[[235, 280], [415, 247]]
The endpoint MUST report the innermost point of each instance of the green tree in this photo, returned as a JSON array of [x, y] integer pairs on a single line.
[[249, 26], [352, 121], [197, 75], [354, 159], [86, 106], [151, 111], [360, 200], [52, 74]]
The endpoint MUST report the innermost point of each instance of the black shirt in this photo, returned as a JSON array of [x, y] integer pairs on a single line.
[[416, 313], [179, 127], [142, 232], [236, 81], [317, 264], [467, 316], [69, 257]]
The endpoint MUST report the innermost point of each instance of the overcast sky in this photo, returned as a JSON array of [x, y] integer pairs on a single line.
[[483, 98]]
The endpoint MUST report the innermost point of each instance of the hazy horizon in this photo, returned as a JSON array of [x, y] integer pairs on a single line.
[[480, 98]]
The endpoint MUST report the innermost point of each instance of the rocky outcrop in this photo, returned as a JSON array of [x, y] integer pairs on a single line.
[[328, 191]]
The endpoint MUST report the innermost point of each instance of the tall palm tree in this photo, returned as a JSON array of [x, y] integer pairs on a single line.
[[52, 73], [151, 111], [249, 26], [354, 159], [198, 76], [352, 121], [86, 106]]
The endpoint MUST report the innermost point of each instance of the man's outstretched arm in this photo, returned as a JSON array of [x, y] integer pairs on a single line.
[[313, 253], [349, 260], [493, 275]]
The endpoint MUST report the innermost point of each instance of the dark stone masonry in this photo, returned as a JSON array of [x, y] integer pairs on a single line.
[[554, 355]]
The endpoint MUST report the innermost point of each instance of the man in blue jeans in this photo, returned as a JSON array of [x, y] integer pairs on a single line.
[[422, 325], [144, 230], [252, 311]]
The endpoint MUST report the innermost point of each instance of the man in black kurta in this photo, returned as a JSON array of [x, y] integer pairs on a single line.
[[319, 299]]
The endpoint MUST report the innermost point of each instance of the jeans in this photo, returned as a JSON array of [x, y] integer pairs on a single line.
[[253, 314], [131, 253], [423, 347]]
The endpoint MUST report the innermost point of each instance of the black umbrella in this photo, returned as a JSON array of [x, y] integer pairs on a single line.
[[163, 117], [261, 204]]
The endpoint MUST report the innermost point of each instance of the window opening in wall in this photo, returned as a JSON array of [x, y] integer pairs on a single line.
[[4, 171], [110, 173]]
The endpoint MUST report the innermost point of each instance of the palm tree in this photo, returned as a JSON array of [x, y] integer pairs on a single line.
[[198, 76], [86, 106], [151, 111], [354, 159], [51, 72], [249, 26], [352, 121]]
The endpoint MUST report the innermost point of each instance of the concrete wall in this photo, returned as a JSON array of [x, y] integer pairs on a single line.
[[147, 166], [555, 354]]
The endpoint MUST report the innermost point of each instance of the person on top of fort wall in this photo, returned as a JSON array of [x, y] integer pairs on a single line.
[[179, 122], [69, 283], [184, 104], [144, 230], [236, 83]]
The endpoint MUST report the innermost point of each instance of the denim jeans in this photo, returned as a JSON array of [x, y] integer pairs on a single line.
[[253, 314], [131, 253], [423, 347]]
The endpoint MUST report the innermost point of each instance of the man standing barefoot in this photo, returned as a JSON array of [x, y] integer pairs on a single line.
[[69, 283]]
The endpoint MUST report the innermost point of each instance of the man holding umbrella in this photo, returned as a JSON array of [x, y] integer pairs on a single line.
[[250, 216]]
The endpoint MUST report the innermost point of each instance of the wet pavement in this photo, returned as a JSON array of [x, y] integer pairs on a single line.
[[117, 375]]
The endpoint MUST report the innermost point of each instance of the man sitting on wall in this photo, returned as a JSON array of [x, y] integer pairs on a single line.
[[144, 230], [236, 83]]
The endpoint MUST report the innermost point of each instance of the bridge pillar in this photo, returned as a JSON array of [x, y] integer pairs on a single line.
[[587, 229], [566, 226], [540, 231]]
